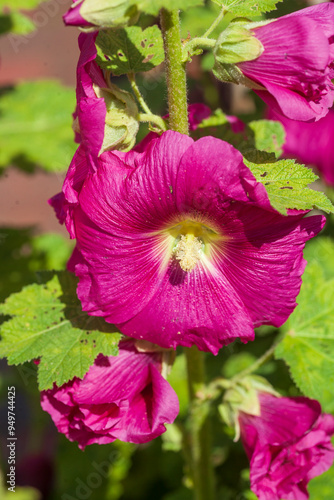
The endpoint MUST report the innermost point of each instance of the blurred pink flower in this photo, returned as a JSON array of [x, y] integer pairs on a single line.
[[296, 67], [121, 397], [310, 143], [288, 444], [180, 247]]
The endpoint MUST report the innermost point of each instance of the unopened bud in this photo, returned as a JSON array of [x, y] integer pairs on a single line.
[[93, 14], [121, 125], [243, 396]]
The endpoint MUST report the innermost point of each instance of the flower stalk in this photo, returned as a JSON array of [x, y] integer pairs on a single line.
[[199, 428], [175, 71]]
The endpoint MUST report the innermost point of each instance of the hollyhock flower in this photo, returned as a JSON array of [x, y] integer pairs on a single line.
[[121, 397], [92, 15], [288, 444], [179, 244], [294, 71], [310, 143]]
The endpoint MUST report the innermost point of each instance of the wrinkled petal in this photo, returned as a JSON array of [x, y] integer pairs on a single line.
[[121, 397], [296, 66], [288, 444]]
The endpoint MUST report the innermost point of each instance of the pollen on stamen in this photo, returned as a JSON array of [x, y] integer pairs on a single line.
[[188, 252]]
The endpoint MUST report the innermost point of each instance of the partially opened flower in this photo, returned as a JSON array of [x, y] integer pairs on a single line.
[[121, 397], [310, 143], [288, 61], [179, 244], [288, 444]]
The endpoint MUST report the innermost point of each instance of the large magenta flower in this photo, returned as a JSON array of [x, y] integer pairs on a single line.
[[123, 397], [179, 244], [287, 445], [311, 143], [296, 66]]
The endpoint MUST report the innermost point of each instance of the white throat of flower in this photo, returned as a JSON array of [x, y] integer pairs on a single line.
[[188, 251]]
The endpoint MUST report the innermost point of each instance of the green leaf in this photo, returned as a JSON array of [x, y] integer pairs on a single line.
[[308, 346], [153, 8], [48, 323], [16, 23], [19, 4], [286, 184], [248, 8], [36, 126], [129, 50], [269, 135]]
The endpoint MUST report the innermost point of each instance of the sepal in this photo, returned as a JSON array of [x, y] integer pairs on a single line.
[[121, 122], [243, 396], [237, 43]]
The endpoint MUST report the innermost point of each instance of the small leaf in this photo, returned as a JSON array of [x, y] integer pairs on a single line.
[[268, 136], [286, 184], [129, 50], [16, 23], [308, 346], [48, 323], [248, 8], [36, 126]]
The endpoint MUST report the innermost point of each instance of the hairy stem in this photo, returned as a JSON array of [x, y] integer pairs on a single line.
[[175, 71], [200, 428]]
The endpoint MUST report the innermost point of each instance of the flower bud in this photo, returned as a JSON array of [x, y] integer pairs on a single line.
[[93, 14], [237, 43], [121, 124]]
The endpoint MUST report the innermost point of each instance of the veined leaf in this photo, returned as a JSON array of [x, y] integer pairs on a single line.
[[129, 50], [153, 8], [248, 8], [286, 184], [48, 323], [308, 345]]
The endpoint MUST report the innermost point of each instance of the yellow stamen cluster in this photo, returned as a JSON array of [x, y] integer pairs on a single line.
[[188, 251]]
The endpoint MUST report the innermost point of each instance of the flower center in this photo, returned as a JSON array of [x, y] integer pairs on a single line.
[[188, 251]]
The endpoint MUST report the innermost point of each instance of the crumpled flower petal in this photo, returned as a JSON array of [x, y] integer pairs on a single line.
[[295, 68], [288, 444], [121, 397]]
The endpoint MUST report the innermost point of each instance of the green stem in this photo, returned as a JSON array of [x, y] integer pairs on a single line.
[[175, 71], [136, 91], [199, 442], [260, 361], [197, 43], [200, 428], [155, 119], [215, 23]]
